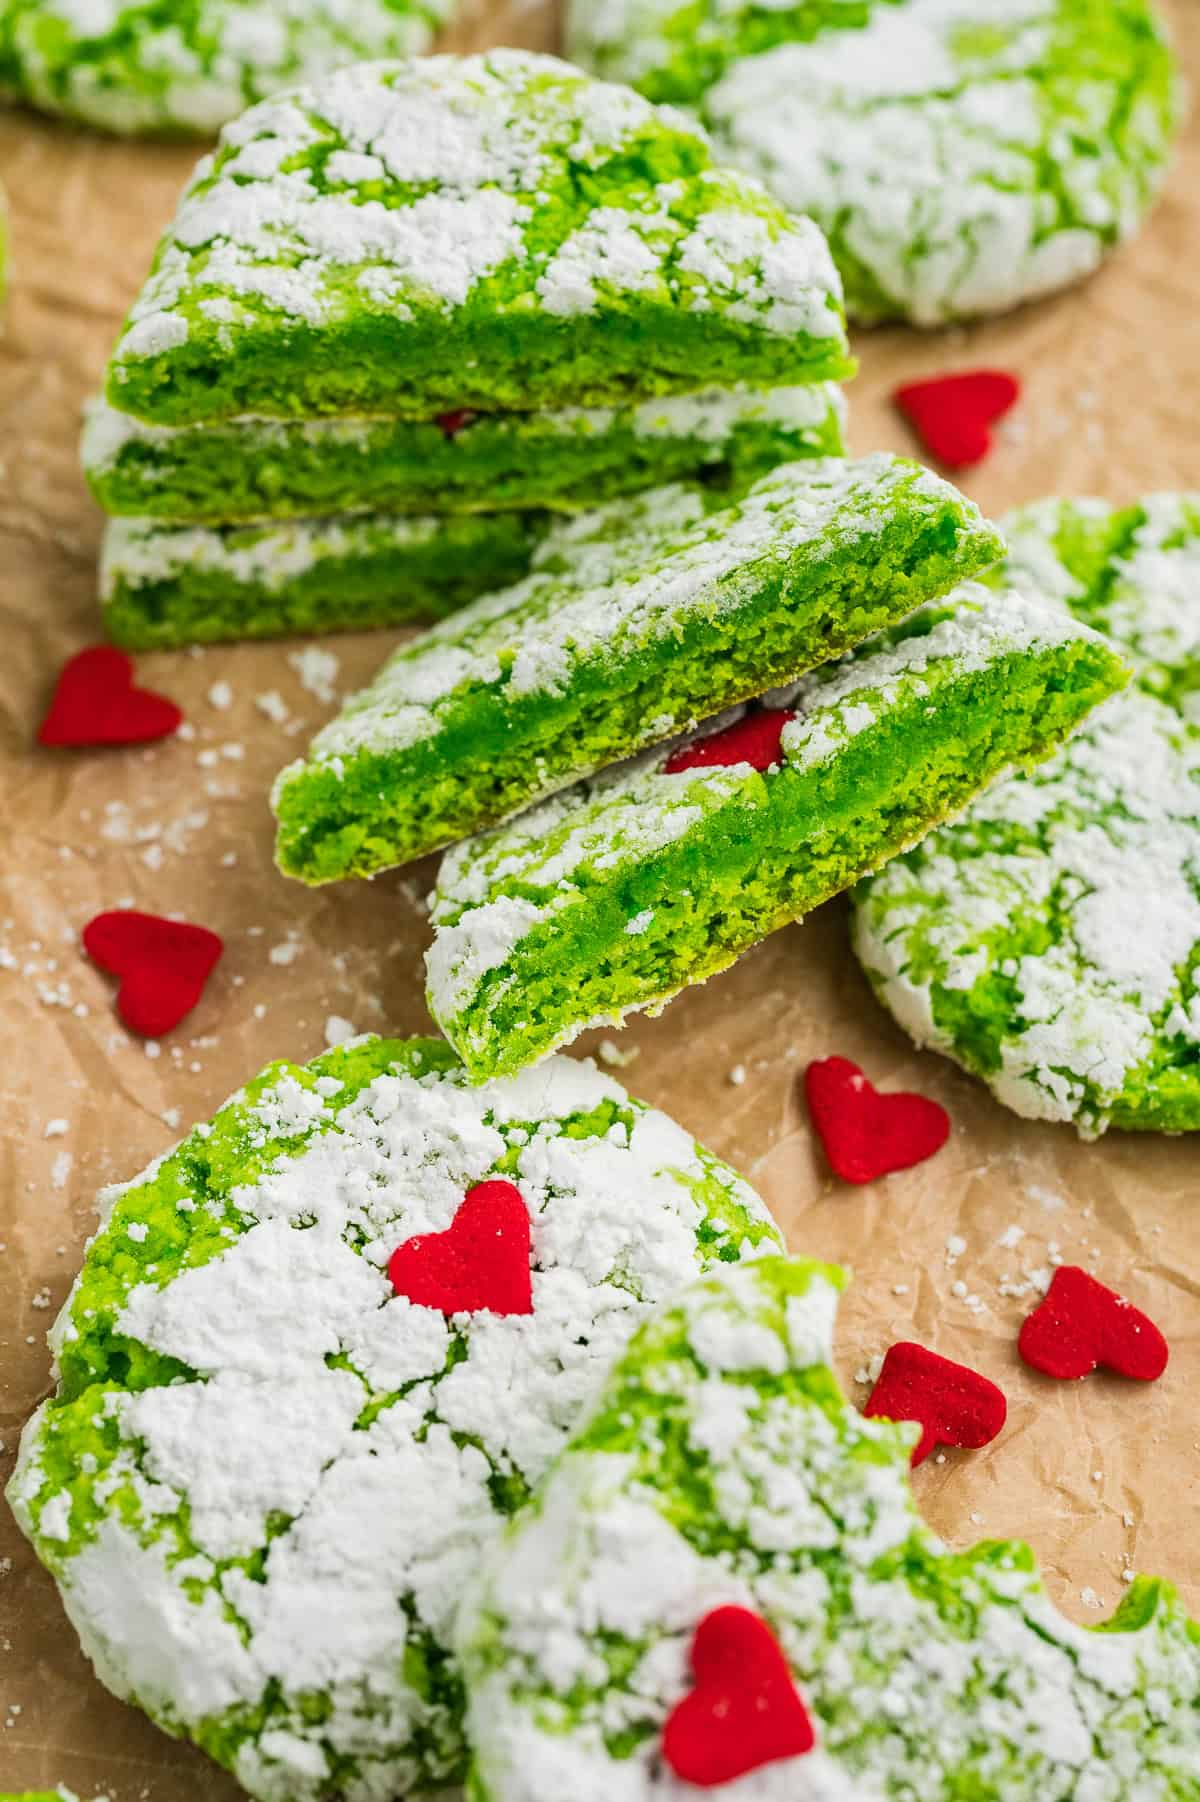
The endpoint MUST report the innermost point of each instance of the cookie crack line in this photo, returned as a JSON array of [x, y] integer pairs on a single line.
[[244, 1391]]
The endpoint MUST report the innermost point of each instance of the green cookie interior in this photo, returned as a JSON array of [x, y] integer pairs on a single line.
[[617, 894], [724, 1466], [638, 619], [256, 469], [163, 585], [496, 232], [1050, 940]]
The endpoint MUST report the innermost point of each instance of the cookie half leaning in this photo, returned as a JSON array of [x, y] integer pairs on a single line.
[[565, 458], [311, 1365], [724, 1470], [163, 585], [614, 895], [1050, 940], [639, 618], [497, 232], [155, 66]]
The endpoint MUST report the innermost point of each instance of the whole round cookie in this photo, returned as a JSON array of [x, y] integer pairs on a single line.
[[314, 1359], [724, 1588], [962, 156], [1049, 941], [155, 66]]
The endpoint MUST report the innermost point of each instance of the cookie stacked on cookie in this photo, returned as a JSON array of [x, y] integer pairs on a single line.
[[405, 315]]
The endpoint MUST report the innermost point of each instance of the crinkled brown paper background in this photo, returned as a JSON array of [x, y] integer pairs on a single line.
[[1102, 1477]]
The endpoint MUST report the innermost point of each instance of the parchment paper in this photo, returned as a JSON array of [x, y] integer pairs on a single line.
[[1102, 1477]]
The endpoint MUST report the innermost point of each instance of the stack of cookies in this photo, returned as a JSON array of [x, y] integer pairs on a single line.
[[405, 316], [404, 319]]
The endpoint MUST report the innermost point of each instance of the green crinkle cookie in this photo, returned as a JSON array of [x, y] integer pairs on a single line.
[[164, 585], [496, 232], [1050, 941], [723, 1466], [962, 155], [181, 68], [266, 1476], [572, 457], [615, 895], [638, 619]]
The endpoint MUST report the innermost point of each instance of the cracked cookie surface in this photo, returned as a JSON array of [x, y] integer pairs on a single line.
[[1050, 940], [962, 156], [497, 232], [266, 1476], [723, 1466]]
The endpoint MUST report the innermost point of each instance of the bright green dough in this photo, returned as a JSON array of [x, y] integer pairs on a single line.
[[612, 897], [164, 585], [962, 156], [182, 68], [496, 232], [724, 1466], [638, 619], [1050, 941], [253, 469], [265, 1477]]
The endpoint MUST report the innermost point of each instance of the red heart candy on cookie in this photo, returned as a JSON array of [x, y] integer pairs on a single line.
[[453, 423], [96, 702], [953, 414], [755, 740], [744, 1711], [480, 1263], [866, 1134], [1081, 1326], [163, 965], [952, 1402]]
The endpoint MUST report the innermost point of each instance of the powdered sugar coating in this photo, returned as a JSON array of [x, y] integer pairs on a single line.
[[1050, 941], [494, 890], [674, 49], [135, 66], [963, 155], [722, 1465], [139, 553], [400, 196], [294, 1470]]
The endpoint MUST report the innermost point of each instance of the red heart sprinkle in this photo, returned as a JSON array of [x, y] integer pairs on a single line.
[[953, 414], [453, 423], [756, 740], [95, 702], [866, 1134], [163, 965], [954, 1404], [1081, 1325], [744, 1711], [481, 1262]]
